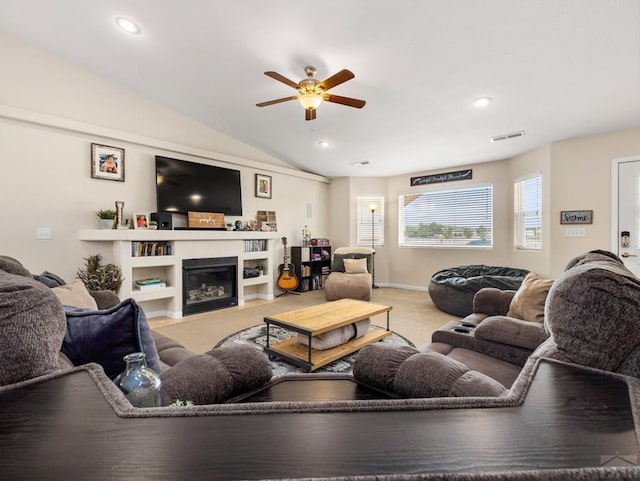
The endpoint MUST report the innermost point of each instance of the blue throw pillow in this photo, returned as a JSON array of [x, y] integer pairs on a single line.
[[106, 336]]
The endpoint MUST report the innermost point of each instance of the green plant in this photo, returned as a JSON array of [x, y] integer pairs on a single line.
[[98, 277], [179, 404], [106, 214], [153, 222]]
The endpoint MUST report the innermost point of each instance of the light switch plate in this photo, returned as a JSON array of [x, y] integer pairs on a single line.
[[43, 233], [575, 232]]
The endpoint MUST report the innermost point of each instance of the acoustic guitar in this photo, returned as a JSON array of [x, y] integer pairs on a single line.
[[287, 279]]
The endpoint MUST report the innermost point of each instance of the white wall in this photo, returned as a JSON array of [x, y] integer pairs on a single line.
[[50, 113]]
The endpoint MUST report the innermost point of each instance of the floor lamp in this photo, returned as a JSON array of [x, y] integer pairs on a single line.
[[373, 208]]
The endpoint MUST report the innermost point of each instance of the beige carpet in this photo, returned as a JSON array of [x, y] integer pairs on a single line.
[[413, 316]]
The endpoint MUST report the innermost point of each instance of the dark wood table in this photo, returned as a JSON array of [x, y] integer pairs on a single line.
[[64, 429]]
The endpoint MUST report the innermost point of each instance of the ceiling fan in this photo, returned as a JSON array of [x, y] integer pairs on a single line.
[[311, 91]]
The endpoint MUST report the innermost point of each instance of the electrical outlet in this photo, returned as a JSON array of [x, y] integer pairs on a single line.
[[575, 232], [43, 233]]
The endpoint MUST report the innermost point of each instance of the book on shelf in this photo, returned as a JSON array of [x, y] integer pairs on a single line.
[[150, 287], [150, 248], [150, 281]]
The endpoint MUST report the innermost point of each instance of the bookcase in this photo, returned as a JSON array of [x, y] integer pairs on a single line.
[[312, 265]]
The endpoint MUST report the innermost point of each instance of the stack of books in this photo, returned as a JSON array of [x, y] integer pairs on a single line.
[[151, 283]]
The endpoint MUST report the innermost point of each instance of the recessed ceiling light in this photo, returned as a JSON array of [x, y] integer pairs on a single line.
[[482, 102], [364, 162], [128, 26], [324, 144]]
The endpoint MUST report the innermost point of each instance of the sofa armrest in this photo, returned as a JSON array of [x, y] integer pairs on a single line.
[[105, 299], [492, 301], [511, 331], [170, 351]]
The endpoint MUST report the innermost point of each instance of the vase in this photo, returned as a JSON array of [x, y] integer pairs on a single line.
[[140, 384]]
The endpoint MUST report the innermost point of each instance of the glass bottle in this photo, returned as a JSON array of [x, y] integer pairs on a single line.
[[140, 384]]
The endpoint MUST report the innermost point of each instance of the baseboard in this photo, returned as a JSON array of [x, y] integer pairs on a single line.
[[403, 286]]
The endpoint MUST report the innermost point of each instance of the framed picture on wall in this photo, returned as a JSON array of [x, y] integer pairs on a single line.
[[140, 220], [107, 162], [263, 186]]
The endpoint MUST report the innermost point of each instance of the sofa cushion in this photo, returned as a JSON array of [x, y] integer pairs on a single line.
[[593, 315], [106, 336], [216, 376], [75, 294], [13, 266], [511, 331], [355, 266], [528, 302], [32, 324], [377, 364]]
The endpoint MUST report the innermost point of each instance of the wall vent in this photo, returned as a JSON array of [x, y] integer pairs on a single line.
[[512, 135]]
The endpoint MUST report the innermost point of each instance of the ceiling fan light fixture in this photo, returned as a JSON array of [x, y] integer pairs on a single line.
[[310, 101]]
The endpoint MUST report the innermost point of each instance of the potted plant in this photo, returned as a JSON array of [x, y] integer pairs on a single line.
[[153, 225], [106, 218], [98, 277]]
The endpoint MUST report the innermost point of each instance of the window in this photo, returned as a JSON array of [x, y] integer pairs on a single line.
[[460, 217], [527, 213], [370, 226]]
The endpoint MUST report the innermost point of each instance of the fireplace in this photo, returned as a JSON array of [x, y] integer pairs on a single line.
[[209, 284]]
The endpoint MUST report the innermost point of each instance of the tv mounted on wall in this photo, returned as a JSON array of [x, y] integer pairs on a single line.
[[183, 186]]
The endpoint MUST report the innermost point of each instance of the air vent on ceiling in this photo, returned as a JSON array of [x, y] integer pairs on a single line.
[[364, 162], [512, 135]]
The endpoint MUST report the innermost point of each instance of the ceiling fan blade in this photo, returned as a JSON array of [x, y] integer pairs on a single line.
[[348, 101], [276, 101], [337, 79], [310, 114], [282, 78]]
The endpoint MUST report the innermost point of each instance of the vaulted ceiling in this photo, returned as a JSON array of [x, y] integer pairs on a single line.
[[554, 69]]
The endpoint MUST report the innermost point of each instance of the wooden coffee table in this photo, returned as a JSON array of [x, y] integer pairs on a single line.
[[319, 319]]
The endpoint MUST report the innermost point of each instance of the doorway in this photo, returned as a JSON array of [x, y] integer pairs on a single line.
[[625, 215]]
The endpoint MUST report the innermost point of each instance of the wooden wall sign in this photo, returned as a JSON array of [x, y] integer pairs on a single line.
[[444, 177], [576, 217], [205, 220]]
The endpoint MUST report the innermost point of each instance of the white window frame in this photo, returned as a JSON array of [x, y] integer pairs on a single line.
[[444, 204], [365, 219], [527, 190]]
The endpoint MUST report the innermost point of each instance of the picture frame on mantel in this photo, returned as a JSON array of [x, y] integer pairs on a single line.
[[141, 220], [263, 186], [107, 162]]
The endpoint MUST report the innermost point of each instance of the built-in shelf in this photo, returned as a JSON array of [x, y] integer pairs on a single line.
[[116, 246]]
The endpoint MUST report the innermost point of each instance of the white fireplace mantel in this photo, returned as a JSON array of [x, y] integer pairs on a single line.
[[116, 245]]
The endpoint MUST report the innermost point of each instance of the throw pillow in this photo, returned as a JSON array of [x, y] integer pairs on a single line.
[[528, 302], [106, 336], [49, 279], [355, 266], [75, 294]]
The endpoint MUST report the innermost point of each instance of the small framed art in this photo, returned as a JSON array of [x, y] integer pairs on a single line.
[[263, 186], [107, 162], [140, 220]]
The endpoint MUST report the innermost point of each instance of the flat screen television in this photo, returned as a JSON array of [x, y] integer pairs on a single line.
[[183, 186]]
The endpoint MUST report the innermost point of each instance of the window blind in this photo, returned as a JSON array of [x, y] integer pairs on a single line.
[[460, 217], [527, 222]]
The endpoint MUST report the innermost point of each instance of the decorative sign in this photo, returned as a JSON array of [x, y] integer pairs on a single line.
[[205, 220], [576, 217], [444, 177]]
